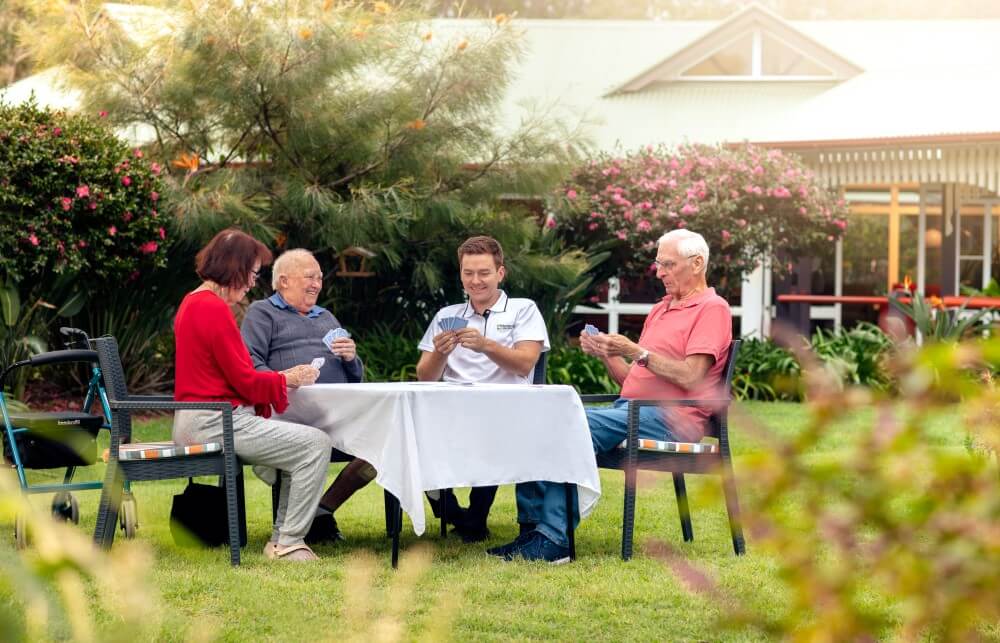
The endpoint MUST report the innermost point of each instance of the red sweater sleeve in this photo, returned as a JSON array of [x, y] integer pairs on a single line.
[[213, 362]]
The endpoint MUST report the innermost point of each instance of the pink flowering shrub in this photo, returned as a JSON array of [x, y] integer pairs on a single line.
[[74, 200], [746, 201]]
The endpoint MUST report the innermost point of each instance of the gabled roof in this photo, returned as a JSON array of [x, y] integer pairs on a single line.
[[750, 22]]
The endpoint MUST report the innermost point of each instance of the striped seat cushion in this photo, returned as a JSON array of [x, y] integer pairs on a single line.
[[674, 447], [154, 450]]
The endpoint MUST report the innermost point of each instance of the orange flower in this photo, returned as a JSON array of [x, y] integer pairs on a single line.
[[383, 8], [281, 240], [427, 37], [936, 302], [305, 33], [359, 32], [501, 18], [328, 4], [186, 161], [417, 124], [462, 45]]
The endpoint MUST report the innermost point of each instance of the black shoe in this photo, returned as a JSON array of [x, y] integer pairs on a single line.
[[470, 534], [505, 551], [324, 530], [456, 513], [526, 527], [539, 548]]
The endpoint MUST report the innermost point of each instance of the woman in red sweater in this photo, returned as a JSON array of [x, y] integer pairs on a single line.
[[213, 364]]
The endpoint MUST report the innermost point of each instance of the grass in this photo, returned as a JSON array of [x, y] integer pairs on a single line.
[[462, 592]]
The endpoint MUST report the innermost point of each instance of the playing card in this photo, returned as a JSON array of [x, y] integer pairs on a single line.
[[340, 332], [460, 323], [317, 363], [328, 339], [590, 329], [452, 323]]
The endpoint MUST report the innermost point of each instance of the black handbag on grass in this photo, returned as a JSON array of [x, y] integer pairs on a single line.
[[198, 517]]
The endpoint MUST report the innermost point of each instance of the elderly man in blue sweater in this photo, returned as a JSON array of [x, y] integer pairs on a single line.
[[289, 328]]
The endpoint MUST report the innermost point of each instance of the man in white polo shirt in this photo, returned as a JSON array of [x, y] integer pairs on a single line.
[[498, 339]]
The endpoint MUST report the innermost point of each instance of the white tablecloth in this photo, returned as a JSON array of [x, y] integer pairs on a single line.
[[421, 436]]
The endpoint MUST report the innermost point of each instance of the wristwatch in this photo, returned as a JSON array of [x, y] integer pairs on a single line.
[[643, 359]]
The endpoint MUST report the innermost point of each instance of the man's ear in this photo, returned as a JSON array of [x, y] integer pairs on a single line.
[[501, 273], [699, 264]]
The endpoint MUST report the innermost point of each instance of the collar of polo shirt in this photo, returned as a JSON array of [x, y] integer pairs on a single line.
[[499, 307]]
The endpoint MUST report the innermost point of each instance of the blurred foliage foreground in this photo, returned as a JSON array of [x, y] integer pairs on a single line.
[[883, 518]]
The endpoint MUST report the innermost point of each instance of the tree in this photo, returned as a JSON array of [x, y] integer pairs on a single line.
[[330, 125], [15, 60], [749, 203]]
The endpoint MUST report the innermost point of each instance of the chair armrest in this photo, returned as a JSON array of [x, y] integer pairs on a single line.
[[595, 399], [150, 398], [710, 403], [169, 405]]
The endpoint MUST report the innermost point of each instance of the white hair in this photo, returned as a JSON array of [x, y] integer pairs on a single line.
[[689, 244], [283, 264]]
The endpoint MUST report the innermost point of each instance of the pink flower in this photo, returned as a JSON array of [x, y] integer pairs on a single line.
[[570, 194], [32, 239], [56, 131], [803, 211], [127, 216], [741, 223], [92, 205], [103, 113], [725, 235], [163, 233], [67, 203], [689, 208], [137, 153], [126, 181], [644, 226], [621, 234], [782, 192], [82, 243], [148, 248], [840, 223], [592, 226], [112, 231], [154, 168], [154, 196], [82, 191]]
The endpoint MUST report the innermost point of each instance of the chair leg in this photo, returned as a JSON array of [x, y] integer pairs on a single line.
[[628, 518], [241, 499], [570, 511], [232, 509], [682, 507], [275, 497], [107, 512], [733, 507]]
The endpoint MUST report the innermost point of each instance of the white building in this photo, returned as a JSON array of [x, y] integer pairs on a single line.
[[901, 115]]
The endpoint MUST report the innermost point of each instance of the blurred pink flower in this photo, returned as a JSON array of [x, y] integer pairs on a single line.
[[154, 196], [92, 205], [82, 191], [621, 234], [725, 235], [126, 181], [689, 208], [127, 216], [82, 243], [32, 239], [644, 226], [67, 203], [154, 168], [570, 194], [112, 231], [163, 233], [56, 131], [840, 223], [103, 113], [148, 248], [137, 153], [592, 226]]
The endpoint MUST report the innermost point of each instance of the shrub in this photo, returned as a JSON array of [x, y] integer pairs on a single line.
[[388, 356], [765, 371], [749, 203], [856, 355], [571, 366], [74, 199]]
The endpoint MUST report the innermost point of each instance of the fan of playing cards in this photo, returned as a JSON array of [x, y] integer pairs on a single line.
[[590, 329], [334, 334], [453, 323]]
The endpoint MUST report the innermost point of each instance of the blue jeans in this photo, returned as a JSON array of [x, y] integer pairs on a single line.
[[544, 503]]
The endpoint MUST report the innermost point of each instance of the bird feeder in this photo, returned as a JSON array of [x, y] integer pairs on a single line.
[[354, 262]]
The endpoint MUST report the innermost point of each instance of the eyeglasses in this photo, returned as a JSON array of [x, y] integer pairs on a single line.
[[254, 274], [669, 265]]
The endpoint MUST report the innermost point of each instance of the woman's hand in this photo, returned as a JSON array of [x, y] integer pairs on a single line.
[[301, 375]]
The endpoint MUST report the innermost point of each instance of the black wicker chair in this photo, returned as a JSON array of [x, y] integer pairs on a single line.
[[714, 460], [167, 465]]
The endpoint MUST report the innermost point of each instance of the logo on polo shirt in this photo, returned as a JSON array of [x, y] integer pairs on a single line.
[[505, 326]]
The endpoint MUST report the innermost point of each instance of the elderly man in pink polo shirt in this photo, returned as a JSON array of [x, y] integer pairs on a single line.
[[680, 355]]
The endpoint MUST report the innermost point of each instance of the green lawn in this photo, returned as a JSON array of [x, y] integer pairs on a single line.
[[464, 593]]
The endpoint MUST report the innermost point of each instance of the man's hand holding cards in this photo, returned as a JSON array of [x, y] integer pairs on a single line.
[[340, 344]]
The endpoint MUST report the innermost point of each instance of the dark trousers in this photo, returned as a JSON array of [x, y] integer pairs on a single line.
[[480, 502]]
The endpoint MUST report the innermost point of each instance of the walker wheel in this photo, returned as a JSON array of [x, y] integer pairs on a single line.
[[128, 516], [20, 532], [65, 507]]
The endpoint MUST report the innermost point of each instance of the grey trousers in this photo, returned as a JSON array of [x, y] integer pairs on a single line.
[[301, 452]]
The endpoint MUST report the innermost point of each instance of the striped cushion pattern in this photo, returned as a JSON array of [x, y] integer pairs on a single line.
[[154, 450], [673, 447]]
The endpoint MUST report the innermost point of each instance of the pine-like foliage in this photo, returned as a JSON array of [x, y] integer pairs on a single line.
[[328, 125]]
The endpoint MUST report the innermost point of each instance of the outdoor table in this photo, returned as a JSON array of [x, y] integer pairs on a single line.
[[422, 436]]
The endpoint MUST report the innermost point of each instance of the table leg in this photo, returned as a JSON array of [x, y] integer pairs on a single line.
[[395, 521], [570, 508]]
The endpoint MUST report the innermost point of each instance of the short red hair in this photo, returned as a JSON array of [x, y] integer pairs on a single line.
[[229, 258]]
